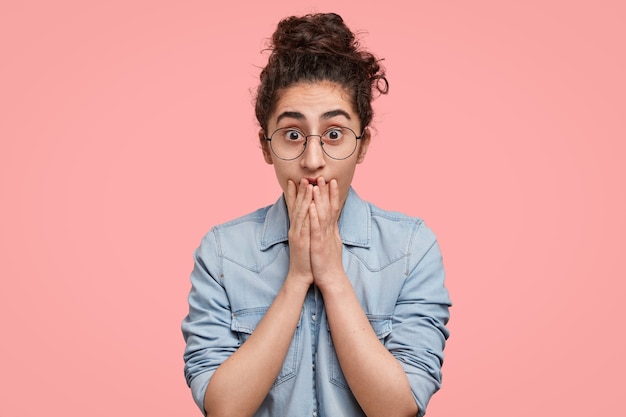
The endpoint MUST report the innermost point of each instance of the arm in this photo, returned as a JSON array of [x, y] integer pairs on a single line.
[[239, 378], [416, 342], [402, 375], [240, 384], [375, 376], [419, 330], [376, 379]]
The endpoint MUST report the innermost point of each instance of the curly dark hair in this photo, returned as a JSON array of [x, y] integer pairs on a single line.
[[319, 47]]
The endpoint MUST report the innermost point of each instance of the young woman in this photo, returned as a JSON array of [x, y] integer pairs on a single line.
[[321, 304]]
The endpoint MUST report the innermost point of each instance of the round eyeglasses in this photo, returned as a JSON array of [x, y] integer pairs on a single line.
[[288, 143]]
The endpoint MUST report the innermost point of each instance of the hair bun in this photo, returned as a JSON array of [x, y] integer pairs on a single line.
[[316, 34], [314, 48]]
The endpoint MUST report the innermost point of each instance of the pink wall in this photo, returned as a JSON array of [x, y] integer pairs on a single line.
[[127, 130]]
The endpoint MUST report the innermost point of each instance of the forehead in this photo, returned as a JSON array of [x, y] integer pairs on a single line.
[[313, 101]]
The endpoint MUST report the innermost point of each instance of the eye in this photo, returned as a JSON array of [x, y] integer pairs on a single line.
[[333, 134], [292, 135]]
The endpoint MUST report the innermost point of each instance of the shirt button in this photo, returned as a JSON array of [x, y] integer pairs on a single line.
[[313, 366], [313, 317], [314, 413]]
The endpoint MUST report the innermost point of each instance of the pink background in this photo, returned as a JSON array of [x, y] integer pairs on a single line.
[[127, 131]]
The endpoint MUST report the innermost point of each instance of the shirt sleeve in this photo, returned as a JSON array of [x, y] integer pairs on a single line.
[[207, 327], [418, 333]]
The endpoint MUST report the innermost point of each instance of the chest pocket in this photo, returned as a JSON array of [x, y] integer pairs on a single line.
[[382, 328], [244, 322]]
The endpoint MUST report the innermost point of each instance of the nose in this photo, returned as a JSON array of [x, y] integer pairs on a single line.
[[313, 156]]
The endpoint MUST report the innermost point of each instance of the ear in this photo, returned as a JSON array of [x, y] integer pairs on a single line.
[[365, 143], [265, 147]]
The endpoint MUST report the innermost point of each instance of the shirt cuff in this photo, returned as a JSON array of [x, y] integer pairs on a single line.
[[198, 388]]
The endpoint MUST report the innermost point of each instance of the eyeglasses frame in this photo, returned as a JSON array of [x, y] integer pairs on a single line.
[[306, 141]]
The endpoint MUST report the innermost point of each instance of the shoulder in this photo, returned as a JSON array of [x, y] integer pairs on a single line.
[[387, 218], [247, 237], [245, 226], [248, 220], [392, 236], [398, 226]]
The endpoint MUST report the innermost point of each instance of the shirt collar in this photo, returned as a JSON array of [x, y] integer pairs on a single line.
[[354, 222]]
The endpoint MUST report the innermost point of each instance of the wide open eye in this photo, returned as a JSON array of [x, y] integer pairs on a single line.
[[334, 134], [292, 135]]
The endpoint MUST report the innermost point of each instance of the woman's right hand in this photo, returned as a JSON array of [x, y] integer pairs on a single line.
[[299, 198]]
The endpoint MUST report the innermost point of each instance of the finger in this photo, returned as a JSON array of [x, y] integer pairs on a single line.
[[290, 195], [321, 196], [322, 185], [302, 192], [314, 220], [321, 208], [305, 197], [296, 195], [335, 203]]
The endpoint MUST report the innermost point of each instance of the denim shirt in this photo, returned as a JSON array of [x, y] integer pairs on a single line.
[[394, 264]]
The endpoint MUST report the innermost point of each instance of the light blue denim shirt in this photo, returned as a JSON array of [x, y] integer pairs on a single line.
[[395, 266]]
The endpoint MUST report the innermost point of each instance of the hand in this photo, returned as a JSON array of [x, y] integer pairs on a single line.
[[326, 245], [299, 199]]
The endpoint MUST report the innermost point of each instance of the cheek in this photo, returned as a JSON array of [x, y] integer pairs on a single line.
[[344, 180], [346, 173], [282, 174]]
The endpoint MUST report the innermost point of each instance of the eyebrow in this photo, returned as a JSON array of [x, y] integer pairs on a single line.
[[299, 116], [333, 113], [290, 114]]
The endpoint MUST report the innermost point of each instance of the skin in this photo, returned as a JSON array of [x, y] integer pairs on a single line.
[[315, 188]]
